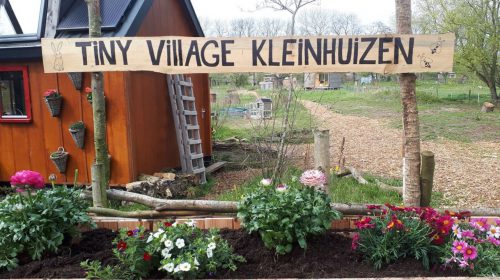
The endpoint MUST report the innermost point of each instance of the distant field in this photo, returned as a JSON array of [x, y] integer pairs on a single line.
[[445, 111]]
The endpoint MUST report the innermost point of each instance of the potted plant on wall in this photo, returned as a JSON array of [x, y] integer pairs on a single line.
[[60, 159], [77, 131], [53, 99]]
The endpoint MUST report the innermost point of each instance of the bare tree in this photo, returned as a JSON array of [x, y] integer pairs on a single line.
[[316, 22], [346, 24], [379, 27], [242, 27], [411, 134], [271, 27], [291, 6]]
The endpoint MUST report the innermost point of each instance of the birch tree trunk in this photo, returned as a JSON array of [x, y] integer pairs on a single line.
[[100, 169], [411, 134]]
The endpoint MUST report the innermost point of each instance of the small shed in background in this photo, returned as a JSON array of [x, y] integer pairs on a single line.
[[322, 80], [261, 109]]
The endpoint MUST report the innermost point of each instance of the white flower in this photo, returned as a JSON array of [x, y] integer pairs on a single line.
[[457, 231], [169, 244], [210, 253], [169, 267], [174, 224], [494, 231], [177, 269], [191, 223], [211, 246], [150, 238], [166, 253], [18, 207], [196, 261], [158, 233], [266, 182], [185, 266], [179, 243], [281, 188]]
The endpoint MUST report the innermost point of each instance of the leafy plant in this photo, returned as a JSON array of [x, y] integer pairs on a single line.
[[39, 222], [474, 247], [180, 250], [187, 252], [51, 93], [402, 232], [77, 125], [286, 214]]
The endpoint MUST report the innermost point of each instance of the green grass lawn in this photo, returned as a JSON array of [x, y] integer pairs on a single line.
[[445, 111]]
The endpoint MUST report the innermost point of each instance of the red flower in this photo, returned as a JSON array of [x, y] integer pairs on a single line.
[[395, 222], [130, 233], [364, 223], [445, 222], [147, 256], [121, 246], [167, 224], [49, 92], [394, 208], [437, 239], [88, 90], [355, 241], [373, 207]]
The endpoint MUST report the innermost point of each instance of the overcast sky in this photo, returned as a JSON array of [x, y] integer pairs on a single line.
[[368, 11]]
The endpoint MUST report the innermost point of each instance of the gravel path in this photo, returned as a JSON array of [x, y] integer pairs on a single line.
[[468, 174]]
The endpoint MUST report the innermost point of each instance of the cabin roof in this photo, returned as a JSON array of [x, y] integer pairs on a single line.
[[120, 18], [264, 99]]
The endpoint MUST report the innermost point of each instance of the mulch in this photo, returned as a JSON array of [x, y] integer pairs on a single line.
[[328, 256]]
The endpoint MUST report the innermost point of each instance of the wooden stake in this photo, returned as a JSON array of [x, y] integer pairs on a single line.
[[426, 177]]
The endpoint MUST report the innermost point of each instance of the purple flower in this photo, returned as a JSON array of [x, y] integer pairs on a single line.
[[470, 253], [463, 264], [493, 240], [479, 223], [468, 234]]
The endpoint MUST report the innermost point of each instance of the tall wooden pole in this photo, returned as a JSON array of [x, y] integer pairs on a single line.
[[100, 174], [427, 177], [322, 153], [411, 136]]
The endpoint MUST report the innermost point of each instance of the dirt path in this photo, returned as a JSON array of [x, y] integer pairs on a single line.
[[468, 174]]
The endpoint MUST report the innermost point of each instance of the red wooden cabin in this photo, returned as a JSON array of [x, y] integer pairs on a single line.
[[140, 130]]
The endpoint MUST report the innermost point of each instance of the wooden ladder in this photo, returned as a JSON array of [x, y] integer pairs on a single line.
[[187, 129]]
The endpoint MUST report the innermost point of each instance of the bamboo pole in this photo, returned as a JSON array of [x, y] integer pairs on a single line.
[[426, 178], [146, 214]]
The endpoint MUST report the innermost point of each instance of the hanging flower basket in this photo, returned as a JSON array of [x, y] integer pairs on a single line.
[[60, 159], [77, 131], [54, 101]]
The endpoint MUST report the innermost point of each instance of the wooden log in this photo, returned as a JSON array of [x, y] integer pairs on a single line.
[[386, 187], [426, 178], [322, 149], [146, 214], [356, 175], [487, 107], [211, 206], [151, 179]]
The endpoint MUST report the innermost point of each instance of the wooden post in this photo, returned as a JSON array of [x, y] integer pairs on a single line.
[[426, 177], [100, 167], [322, 152]]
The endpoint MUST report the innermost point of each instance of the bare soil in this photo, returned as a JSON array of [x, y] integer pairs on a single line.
[[468, 174], [328, 256]]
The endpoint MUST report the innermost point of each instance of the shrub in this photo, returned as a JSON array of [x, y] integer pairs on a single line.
[[286, 214], [474, 247], [38, 222], [180, 250], [401, 233]]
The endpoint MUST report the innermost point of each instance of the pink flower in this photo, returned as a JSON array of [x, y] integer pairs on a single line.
[[373, 207], [459, 247], [281, 188], [313, 178], [497, 222], [27, 178], [470, 253], [479, 223], [266, 182], [467, 234], [493, 240], [463, 264], [355, 241]]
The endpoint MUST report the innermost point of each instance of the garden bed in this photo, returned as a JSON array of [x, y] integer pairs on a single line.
[[328, 256]]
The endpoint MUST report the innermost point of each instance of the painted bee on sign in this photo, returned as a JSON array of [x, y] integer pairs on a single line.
[[437, 46], [425, 61]]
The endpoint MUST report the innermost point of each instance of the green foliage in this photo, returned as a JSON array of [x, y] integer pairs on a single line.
[[348, 190], [39, 222], [382, 243], [187, 252], [283, 218], [95, 270], [239, 79]]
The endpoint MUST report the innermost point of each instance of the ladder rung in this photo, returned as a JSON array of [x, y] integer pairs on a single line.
[[196, 156], [184, 83], [194, 141], [192, 127], [188, 98], [189, 113], [199, 170]]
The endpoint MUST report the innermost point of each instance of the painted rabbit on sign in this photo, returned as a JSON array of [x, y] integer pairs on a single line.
[[58, 60]]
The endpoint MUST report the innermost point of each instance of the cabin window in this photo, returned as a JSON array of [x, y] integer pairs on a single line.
[[14, 94]]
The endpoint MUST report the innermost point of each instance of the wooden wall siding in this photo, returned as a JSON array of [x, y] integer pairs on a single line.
[[153, 131], [28, 146]]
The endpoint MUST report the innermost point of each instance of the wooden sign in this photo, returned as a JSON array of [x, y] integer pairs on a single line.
[[178, 55]]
